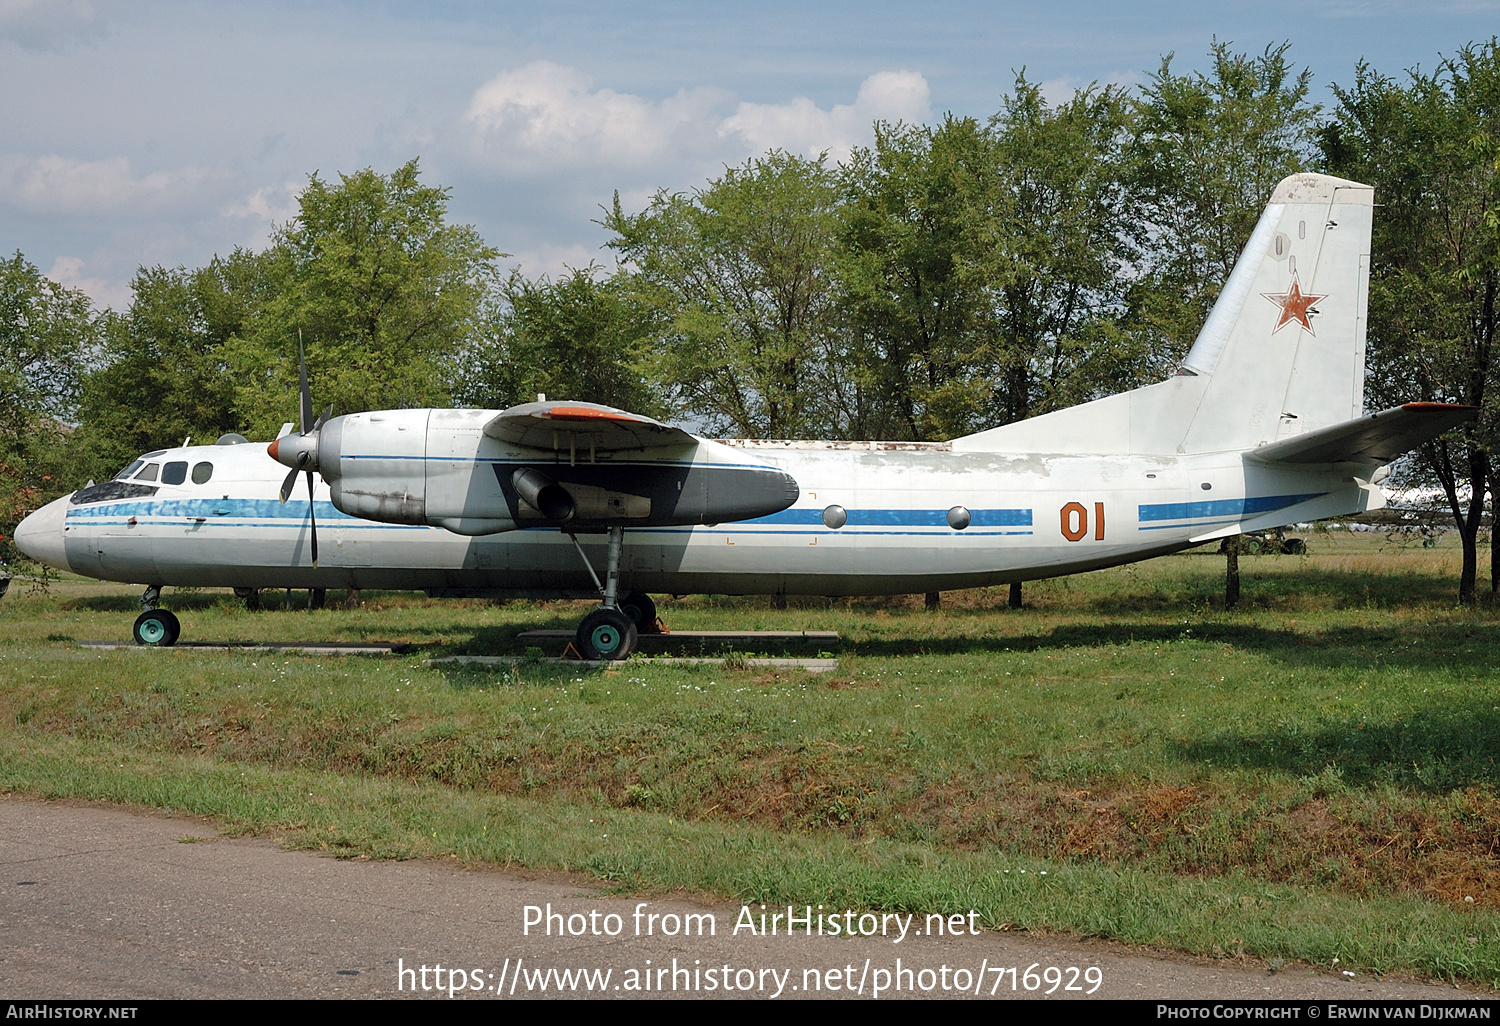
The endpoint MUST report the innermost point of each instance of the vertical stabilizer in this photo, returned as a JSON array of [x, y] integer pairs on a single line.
[[1281, 353], [1284, 347]]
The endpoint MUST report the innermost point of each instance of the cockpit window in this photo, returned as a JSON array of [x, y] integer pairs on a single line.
[[148, 472], [174, 473], [125, 474], [202, 472]]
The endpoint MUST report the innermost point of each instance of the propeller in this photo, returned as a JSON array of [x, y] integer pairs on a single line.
[[300, 451]]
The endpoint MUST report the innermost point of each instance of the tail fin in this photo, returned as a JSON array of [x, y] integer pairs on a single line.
[[1281, 353]]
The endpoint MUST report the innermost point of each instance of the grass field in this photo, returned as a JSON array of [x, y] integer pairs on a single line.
[[1309, 777]]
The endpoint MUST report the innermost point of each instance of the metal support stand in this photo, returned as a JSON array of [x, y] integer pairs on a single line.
[[151, 598], [611, 588]]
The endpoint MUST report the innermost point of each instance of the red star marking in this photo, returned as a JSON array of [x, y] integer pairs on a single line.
[[1294, 306]]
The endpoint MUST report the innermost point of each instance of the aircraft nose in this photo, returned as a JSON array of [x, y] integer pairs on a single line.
[[40, 535]]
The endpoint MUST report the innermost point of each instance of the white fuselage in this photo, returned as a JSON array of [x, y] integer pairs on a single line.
[[1030, 516]]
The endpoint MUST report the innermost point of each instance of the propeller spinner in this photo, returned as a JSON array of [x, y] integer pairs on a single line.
[[300, 451]]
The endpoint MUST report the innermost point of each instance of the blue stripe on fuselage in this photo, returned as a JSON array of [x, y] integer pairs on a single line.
[[1221, 507], [899, 518]]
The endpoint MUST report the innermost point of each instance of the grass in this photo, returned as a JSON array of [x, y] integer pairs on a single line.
[[1311, 776]]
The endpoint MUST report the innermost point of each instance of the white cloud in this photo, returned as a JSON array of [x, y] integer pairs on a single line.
[[68, 270], [50, 24], [801, 126], [274, 203], [546, 116], [61, 185], [264, 208]]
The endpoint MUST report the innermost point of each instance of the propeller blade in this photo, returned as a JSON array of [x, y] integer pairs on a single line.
[[288, 485], [312, 519], [323, 418], [305, 412]]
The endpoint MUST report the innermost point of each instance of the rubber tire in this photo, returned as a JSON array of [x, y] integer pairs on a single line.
[[606, 634], [158, 628], [641, 610]]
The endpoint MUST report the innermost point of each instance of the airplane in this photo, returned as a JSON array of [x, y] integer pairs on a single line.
[[1260, 427]]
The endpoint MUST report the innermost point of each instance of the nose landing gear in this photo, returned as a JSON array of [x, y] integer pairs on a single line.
[[156, 627]]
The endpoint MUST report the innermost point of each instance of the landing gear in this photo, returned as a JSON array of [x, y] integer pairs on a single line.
[[606, 634], [251, 598], [610, 631], [157, 627], [641, 610]]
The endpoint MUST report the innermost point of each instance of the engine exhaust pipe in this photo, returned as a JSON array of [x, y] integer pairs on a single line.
[[544, 495]]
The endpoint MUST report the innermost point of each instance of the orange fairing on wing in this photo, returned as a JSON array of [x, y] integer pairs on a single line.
[[584, 413]]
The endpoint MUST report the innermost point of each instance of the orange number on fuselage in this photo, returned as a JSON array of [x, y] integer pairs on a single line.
[[1075, 521]]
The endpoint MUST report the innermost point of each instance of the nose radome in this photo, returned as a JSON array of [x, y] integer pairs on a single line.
[[40, 535]]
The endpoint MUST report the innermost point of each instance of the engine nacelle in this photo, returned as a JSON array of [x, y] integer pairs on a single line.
[[438, 467]]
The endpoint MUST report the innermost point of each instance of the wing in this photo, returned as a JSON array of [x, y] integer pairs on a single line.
[[1375, 438], [559, 425]]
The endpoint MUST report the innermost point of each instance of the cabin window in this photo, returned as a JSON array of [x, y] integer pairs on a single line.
[[174, 473], [125, 474], [148, 472], [202, 472]]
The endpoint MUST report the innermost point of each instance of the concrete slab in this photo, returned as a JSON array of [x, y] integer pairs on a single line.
[[810, 665], [317, 648]]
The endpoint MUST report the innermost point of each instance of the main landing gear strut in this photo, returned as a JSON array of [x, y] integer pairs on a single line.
[[612, 630]]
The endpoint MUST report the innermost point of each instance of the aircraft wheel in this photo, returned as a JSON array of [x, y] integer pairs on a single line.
[[641, 610], [157, 627], [606, 634]]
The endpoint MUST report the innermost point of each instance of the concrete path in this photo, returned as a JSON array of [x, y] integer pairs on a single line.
[[104, 903]]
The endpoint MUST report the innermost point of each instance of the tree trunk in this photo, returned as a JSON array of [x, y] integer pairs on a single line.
[[352, 599], [1494, 534], [1015, 595], [932, 599], [1232, 571]]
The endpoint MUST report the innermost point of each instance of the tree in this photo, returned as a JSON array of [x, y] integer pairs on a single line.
[[576, 338], [740, 276], [383, 290], [165, 373], [1208, 151], [48, 335], [917, 235], [1060, 253], [1431, 148]]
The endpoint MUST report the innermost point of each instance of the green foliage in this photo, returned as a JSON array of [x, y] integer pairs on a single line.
[[165, 372], [741, 276], [1431, 148], [381, 287], [1057, 280], [48, 335], [577, 338], [917, 231], [1208, 150]]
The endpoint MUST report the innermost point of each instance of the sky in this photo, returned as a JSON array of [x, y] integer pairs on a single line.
[[142, 134]]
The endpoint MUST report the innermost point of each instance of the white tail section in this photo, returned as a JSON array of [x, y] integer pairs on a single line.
[[1281, 353]]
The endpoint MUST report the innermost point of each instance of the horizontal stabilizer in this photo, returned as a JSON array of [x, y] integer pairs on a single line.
[[555, 425], [1375, 438]]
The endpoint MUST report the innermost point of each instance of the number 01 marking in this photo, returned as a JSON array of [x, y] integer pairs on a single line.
[[1075, 521]]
